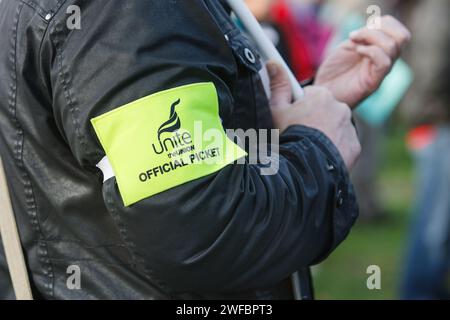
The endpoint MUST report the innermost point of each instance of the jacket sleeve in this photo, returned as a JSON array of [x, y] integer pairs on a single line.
[[229, 231]]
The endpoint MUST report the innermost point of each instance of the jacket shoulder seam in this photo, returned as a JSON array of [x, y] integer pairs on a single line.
[[37, 8], [71, 103], [31, 206]]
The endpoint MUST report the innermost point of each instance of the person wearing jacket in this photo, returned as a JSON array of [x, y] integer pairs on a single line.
[[130, 87]]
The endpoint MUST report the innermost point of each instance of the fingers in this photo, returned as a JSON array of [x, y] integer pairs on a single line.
[[395, 29], [377, 56], [377, 38], [348, 45], [391, 37], [279, 85]]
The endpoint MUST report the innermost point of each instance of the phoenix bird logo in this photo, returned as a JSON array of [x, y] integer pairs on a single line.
[[173, 124]]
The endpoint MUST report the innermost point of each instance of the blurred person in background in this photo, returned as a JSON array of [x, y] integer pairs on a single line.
[[427, 272]]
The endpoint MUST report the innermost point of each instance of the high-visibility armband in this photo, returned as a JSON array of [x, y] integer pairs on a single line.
[[164, 140]]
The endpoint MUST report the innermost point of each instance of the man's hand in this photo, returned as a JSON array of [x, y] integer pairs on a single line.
[[358, 66], [318, 109]]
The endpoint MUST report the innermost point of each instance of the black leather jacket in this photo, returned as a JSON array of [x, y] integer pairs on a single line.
[[232, 234]]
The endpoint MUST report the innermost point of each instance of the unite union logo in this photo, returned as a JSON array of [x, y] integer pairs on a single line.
[[172, 127]]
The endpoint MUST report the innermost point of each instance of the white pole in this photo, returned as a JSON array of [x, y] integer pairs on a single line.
[[269, 51], [264, 44]]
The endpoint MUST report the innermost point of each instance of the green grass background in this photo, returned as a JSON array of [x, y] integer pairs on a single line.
[[343, 274]]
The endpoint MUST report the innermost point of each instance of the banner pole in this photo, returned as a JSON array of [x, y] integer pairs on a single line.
[[11, 243]]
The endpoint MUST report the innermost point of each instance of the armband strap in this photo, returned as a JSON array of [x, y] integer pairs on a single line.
[[164, 140]]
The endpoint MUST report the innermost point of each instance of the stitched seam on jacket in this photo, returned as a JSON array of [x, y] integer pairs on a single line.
[[39, 10], [18, 156], [53, 13], [73, 109], [81, 243]]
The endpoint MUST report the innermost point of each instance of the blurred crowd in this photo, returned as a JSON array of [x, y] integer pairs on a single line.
[[418, 87]]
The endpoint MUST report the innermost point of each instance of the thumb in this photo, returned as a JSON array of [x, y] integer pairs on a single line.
[[279, 86]]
